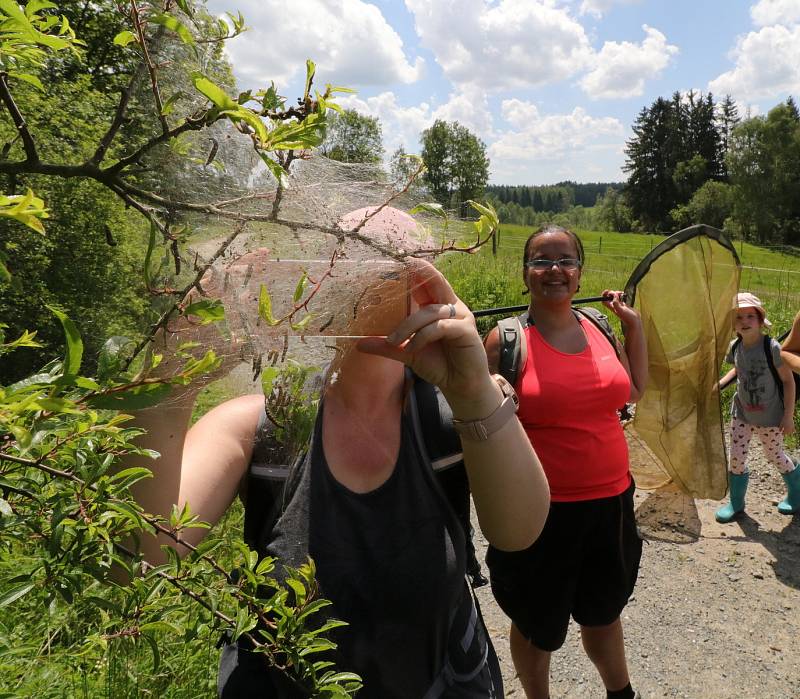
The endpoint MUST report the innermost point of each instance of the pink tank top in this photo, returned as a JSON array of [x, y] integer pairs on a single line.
[[568, 407]]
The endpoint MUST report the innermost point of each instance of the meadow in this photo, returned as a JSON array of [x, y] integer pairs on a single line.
[[486, 281]]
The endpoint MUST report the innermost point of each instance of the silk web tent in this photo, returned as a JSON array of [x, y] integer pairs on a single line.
[[684, 290]]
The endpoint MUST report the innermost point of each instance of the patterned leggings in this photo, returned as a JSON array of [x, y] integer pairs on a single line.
[[771, 441]]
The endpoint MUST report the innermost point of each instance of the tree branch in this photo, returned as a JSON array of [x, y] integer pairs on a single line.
[[19, 121], [122, 106]]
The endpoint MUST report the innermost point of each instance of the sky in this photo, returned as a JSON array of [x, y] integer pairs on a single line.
[[552, 87]]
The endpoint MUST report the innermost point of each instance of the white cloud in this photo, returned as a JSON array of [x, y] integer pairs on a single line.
[[621, 68], [598, 8], [768, 12], [403, 125], [349, 40], [505, 44], [767, 65], [548, 148]]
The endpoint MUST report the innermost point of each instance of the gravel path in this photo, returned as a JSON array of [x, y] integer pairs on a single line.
[[716, 611]]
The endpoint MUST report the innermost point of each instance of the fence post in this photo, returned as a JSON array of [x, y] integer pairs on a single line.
[[600, 246], [494, 241]]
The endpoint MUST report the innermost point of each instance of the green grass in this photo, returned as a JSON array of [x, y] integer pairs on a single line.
[[484, 281]]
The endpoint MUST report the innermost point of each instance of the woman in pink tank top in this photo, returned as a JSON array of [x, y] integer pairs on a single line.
[[571, 384]]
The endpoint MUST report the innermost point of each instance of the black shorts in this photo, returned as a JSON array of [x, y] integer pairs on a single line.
[[584, 564]]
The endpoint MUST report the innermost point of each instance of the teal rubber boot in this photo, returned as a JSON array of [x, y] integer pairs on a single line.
[[737, 483], [791, 503]]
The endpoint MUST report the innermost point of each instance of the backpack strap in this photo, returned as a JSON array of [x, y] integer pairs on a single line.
[[600, 321], [513, 348], [771, 365]]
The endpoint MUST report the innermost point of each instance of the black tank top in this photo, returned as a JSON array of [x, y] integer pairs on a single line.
[[392, 562]]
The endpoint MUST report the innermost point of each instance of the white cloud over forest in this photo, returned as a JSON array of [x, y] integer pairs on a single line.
[[501, 45], [621, 68], [556, 146], [767, 64], [350, 41]]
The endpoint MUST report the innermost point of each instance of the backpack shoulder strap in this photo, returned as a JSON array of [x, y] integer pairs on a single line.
[[600, 321], [513, 348], [771, 365]]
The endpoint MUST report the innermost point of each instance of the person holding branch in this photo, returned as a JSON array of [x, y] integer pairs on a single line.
[[571, 384], [388, 550]]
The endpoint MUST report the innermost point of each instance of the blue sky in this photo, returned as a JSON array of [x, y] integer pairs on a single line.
[[551, 86]]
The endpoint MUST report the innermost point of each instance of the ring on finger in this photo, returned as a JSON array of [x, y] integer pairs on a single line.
[[452, 313]]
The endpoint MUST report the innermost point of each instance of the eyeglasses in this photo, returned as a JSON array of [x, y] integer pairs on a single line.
[[542, 264]]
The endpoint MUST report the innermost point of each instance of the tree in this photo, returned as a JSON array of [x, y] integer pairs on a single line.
[[727, 119], [457, 168], [613, 212], [353, 138], [764, 166], [711, 204], [674, 150]]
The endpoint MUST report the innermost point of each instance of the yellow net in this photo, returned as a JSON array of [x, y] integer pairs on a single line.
[[684, 290]]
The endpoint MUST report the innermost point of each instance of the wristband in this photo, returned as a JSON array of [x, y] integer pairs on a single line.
[[481, 430]]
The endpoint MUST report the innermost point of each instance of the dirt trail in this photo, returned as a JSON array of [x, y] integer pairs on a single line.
[[716, 611]]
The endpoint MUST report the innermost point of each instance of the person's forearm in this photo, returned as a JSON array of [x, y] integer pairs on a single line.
[[792, 360], [636, 349], [508, 485]]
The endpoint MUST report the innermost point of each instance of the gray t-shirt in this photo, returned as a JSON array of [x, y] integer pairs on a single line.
[[757, 399]]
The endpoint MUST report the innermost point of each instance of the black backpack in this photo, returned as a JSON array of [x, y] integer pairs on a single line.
[[772, 370], [511, 348]]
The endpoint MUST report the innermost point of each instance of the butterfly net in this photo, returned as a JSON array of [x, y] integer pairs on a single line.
[[684, 290]]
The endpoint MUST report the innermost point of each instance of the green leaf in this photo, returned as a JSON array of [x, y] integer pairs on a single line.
[[124, 38], [302, 324], [430, 208], [13, 594], [153, 643], [128, 476], [169, 105], [207, 310], [175, 25], [300, 288], [274, 167], [265, 306], [74, 350], [268, 376], [214, 93], [136, 398], [28, 78], [310, 70]]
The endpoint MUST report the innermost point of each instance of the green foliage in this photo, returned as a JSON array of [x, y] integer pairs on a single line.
[[292, 402], [764, 166], [613, 212], [711, 204], [456, 166], [67, 517], [353, 138]]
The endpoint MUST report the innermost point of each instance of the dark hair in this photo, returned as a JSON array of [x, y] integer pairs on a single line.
[[551, 228]]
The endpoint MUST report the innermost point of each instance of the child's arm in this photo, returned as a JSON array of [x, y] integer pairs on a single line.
[[725, 379], [785, 374]]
